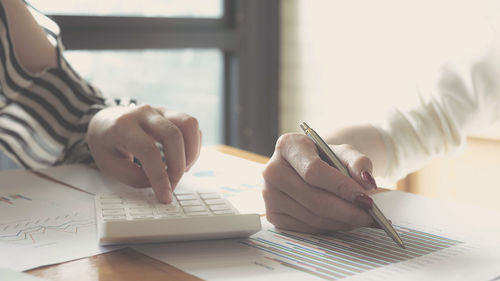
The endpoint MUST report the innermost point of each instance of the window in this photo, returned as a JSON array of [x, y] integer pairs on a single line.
[[158, 8], [186, 80], [216, 60]]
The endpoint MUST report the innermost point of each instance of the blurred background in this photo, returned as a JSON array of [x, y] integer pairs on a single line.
[[252, 70]]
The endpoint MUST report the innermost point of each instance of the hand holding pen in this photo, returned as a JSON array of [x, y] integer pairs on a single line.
[[304, 193], [327, 155]]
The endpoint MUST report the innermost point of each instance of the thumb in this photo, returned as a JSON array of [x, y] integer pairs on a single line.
[[360, 167]]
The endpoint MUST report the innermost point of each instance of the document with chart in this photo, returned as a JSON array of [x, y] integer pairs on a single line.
[[441, 244], [42, 222]]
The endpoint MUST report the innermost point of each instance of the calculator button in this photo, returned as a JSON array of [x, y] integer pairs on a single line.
[[167, 208], [137, 206], [193, 209], [190, 203], [111, 206], [136, 202], [210, 196], [114, 218], [201, 213], [183, 192], [141, 212], [142, 217], [215, 202], [186, 197], [167, 212], [113, 212], [223, 212], [219, 207], [169, 215]]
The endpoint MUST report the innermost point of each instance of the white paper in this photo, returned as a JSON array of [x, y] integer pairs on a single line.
[[43, 223], [468, 249], [237, 179], [85, 177], [11, 275]]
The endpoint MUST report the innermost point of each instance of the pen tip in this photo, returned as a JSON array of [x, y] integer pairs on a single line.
[[304, 126]]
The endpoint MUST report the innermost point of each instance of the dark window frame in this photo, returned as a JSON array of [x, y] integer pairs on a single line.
[[248, 34]]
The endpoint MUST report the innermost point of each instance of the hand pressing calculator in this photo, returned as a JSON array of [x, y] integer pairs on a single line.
[[138, 217]]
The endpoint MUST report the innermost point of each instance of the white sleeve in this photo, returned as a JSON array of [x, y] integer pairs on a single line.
[[464, 98]]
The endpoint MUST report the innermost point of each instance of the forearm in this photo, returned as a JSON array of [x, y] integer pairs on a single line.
[[32, 48], [367, 140]]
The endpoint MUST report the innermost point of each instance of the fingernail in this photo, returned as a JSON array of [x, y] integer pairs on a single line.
[[368, 178], [363, 201]]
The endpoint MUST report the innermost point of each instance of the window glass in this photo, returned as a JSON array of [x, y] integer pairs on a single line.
[[185, 80], [156, 8]]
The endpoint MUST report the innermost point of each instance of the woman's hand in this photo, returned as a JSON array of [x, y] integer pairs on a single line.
[[118, 134], [304, 193]]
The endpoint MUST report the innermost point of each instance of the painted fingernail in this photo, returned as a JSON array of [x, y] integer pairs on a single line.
[[368, 178], [363, 201]]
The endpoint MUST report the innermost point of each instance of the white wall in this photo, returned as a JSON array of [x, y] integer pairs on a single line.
[[349, 61]]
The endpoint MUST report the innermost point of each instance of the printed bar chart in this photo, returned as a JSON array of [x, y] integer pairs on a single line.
[[343, 254]]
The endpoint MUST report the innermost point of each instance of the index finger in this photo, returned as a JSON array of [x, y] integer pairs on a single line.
[[143, 147], [171, 138]]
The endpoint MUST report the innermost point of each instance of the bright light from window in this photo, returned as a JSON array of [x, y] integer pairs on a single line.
[[148, 8], [185, 80]]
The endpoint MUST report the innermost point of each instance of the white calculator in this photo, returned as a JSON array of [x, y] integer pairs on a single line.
[[138, 217]]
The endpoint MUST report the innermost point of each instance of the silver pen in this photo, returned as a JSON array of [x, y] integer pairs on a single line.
[[329, 156]]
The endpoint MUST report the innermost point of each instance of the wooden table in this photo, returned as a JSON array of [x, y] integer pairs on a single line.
[[126, 264]]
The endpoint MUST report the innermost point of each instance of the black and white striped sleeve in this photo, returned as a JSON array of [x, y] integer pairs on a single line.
[[44, 116]]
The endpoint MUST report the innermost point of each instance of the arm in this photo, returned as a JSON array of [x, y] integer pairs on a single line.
[[462, 98], [26, 34], [301, 192], [59, 112]]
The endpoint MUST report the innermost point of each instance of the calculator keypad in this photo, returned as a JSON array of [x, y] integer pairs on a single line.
[[140, 206]]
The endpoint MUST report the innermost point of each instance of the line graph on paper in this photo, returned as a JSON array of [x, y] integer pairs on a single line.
[[343, 254], [36, 218], [42, 222], [45, 230]]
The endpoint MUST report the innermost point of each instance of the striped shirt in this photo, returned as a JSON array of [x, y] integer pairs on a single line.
[[44, 116]]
